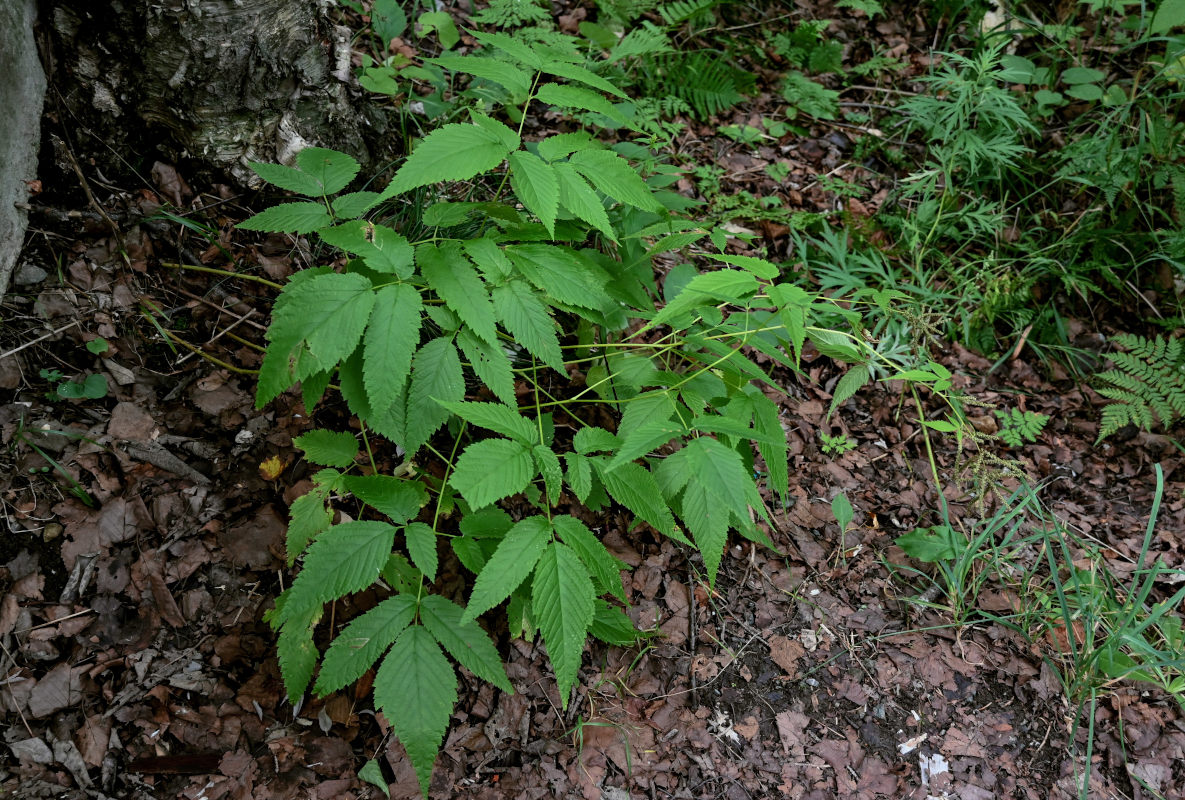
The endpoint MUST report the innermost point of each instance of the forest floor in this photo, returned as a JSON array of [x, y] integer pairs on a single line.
[[136, 662]]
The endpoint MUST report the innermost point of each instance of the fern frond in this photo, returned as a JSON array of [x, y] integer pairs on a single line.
[[677, 12], [1148, 379], [703, 79]]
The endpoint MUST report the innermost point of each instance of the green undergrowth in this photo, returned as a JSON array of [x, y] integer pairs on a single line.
[[1025, 570], [514, 366], [498, 321]]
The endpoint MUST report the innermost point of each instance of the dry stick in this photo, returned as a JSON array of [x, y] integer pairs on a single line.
[[16, 350]]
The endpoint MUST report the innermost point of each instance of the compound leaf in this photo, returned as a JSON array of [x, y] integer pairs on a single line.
[[389, 343], [450, 274], [498, 418], [359, 646], [492, 469], [454, 152], [416, 689], [510, 564], [601, 564], [464, 641], [526, 318], [435, 375], [535, 184], [562, 600]]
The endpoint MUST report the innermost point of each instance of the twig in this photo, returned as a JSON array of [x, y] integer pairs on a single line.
[[16, 350]]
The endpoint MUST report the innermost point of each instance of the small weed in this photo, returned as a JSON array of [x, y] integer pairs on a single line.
[[836, 445]]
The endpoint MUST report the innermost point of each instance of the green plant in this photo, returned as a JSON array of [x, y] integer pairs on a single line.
[[482, 339], [1019, 427], [92, 387], [1147, 383], [836, 445]]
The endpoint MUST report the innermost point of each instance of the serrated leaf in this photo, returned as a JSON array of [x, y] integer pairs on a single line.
[[601, 564], [851, 382], [398, 498], [464, 641], [509, 566], [331, 169], [767, 421], [525, 317], [560, 273], [488, 257], [708, 289], [490, 364], [498, 418], [389, 342], [346, 558], [416, 690], [634, 487], [298, 657], [492, 469], [288, 218], [380, 247], [549, 467], [454, 152], [328, 312], [451, 276], [308, 516], [564, 96], [490, 69], [536, 186], [578, 197], [515, 48], [578, 475], [363, 641], [421, 546], [758, 266], [372, 773], [716, 491], [644, 439], [581, 75], [401, 575], [289, 178], [594, 440], [355, 204], [435, 375], [564, 144], [612, 626], [328, 448], [562, 598], [613, 175]]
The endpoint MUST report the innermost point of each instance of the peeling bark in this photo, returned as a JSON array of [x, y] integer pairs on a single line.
[[216, 82]]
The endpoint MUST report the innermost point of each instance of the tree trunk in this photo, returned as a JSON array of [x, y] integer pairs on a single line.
[[215, 83]]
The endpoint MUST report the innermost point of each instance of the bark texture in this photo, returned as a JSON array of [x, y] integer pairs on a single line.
[[218, 82], [22, 90]]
